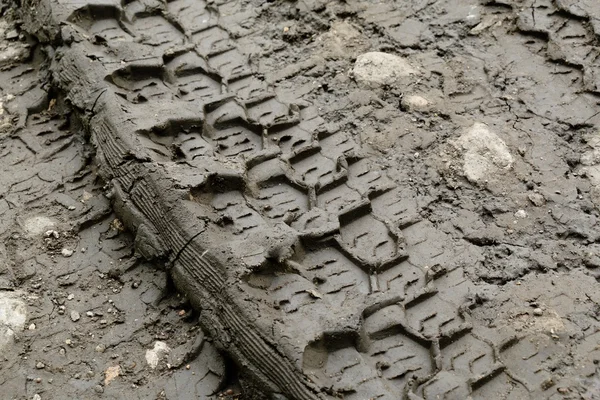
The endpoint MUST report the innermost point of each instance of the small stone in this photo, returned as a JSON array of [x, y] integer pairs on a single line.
[[75, 316], [62, 351], [377, 68], [51, 233], [415, 102], [71, 296], [66, 252], [61, 310], [90, 314], [68, 342], [40, 365], [521, 214], [32, 327], [38, 380], [36, 397], [485, 154], [100, 348], [12, 34], [537, 199], [103, 321], [71, 208], [98, 389], [154, 355], [537, 312]]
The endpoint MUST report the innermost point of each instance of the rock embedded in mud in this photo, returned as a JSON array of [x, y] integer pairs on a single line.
[[13, 313], [66, 252], [415, 102], [537, 199], [521, 214], [154, 355], [376, 69], [75, 316], [485, 155]]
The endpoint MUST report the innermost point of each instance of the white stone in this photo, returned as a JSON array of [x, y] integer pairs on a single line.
[[75, 316], [521, 214], [484, 153], [154, 355], [416, 102], [66, 252], [376, 69], [13, 314]]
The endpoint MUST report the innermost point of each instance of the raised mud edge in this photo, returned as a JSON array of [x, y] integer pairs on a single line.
[[139, 185]]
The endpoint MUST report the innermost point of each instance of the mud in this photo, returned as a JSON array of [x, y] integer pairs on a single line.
[[79, 310], [371, 231]]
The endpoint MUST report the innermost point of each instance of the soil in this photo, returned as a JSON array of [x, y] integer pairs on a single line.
[[353, 199]]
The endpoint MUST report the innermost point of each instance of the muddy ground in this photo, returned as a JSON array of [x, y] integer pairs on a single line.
[[486, 113], [80, 315]]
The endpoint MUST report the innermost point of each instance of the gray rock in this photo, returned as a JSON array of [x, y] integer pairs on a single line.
[[521, 214], [376, 69], [485, 155], [537, 199], [75, 316], [66, 252], [416, 102], [13, 314]]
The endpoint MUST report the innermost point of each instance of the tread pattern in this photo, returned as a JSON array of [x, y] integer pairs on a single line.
[[340, 232]]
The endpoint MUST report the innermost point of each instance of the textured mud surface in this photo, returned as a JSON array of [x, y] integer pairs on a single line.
[[360, 199], [80, 314]]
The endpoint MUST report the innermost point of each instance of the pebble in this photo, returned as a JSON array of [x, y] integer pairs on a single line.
[[98, 389], [377, 68], [66, 252], [154, 355], [485, 154], [538, 312], [36, 397], [90, 314], [32, 327], [521, 214], [75, 316], [12, 34], [416, 102], [51, 233], [537, 199], [40, 365], [71, 296], [100, 348]]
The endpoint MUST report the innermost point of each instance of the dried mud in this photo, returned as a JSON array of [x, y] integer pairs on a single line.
[[417, 224]]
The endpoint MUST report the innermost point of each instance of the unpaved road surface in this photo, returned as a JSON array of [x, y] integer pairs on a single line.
[[354, 199]]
